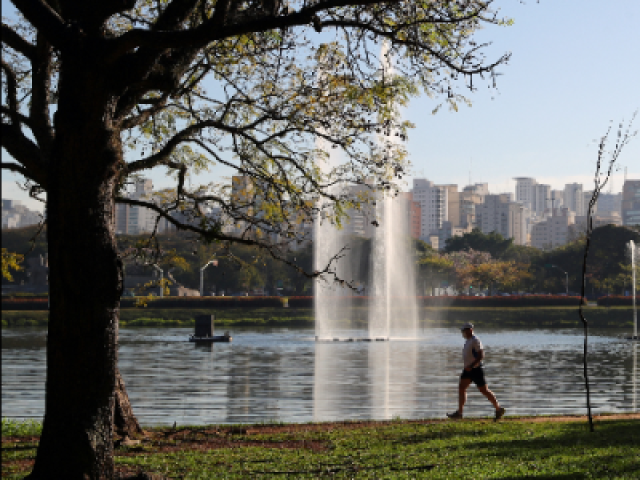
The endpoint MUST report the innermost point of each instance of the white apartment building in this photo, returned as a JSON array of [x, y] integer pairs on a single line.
[[533, 195], [134, 219], [509, 219], [433, 201], [525, 191], [16, 215], [553, 232], [574, 198], [557, 199], [541, 198]]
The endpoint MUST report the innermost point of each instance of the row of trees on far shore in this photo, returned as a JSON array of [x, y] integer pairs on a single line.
[[473, 263]]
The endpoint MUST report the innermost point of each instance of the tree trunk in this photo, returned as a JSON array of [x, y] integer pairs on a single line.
[[124, 422], [85, 276]]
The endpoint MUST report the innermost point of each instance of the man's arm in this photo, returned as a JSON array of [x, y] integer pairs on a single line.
[[476, 361]]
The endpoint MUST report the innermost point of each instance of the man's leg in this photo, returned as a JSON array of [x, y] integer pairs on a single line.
[[489, 394], [462, 393]]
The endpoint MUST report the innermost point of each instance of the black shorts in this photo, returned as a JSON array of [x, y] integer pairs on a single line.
[[476, 375]]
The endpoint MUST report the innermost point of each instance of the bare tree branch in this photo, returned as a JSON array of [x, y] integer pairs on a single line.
[[599, 183]]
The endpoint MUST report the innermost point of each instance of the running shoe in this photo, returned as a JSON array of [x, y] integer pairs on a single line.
[[455, 415], [499, 413]]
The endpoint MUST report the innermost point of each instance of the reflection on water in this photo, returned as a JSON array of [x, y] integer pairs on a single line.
[[284, 375]]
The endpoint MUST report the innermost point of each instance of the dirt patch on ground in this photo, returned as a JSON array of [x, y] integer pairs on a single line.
[[205, 444], [579, 418], [330, 426]]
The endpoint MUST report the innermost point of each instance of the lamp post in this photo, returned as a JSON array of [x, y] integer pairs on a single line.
[[210, 262], [566, 275], [161, 277]]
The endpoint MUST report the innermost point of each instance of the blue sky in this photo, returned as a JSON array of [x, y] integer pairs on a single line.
[[575, 68]]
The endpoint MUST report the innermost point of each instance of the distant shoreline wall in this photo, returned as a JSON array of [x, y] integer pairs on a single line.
[[430, 317]]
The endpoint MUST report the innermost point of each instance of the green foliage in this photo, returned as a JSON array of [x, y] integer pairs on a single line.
[[18, 240], [494, 243], [10, 262]]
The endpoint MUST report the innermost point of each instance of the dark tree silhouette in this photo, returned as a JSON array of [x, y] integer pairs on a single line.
[[266, 88]]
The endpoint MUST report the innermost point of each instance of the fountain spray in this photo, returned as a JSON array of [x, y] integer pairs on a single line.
[[632, 246]]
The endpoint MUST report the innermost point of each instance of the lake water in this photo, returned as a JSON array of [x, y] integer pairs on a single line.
[[284, 375]]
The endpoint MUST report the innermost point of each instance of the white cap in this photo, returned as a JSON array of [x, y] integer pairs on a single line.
[[466, 325]]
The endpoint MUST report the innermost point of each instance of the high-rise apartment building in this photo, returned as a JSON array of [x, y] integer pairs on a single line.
[[525, 191], [631, 202], [554, 231], [468, 202], [541, 198], [134, 219], [453, 204], [557, 199], [433, 200], [533, 195], [413, 212], [498, 214], [574, 198]]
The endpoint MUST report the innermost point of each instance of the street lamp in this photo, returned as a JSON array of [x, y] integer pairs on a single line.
[[161, 277], [210, 262], [566, 275]]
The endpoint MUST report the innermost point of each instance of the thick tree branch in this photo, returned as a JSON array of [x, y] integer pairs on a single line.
[[41, 94], [46, 20], [12, 92], [25, 152], [218, 28], [163, 156], [15, 41], [14, 167], [16, 117]]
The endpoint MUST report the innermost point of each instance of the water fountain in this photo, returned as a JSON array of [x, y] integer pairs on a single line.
[[634, 260], [392, 308]]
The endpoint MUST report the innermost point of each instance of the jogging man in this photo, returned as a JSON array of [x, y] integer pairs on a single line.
[[472, 355]]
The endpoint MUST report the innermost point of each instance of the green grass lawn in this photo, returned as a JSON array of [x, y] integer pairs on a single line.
[[469, 449]]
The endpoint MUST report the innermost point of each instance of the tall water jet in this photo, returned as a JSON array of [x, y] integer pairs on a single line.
[[634, 258], [393, 307], [393, 310], [332, 301]]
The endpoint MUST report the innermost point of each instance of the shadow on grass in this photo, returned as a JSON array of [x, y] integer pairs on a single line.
[[610, 451]]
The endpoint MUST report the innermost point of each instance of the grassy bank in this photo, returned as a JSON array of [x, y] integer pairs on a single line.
[[512, 448], [536, 317]]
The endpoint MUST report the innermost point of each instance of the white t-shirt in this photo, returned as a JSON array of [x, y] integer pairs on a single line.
[[471, 351]]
